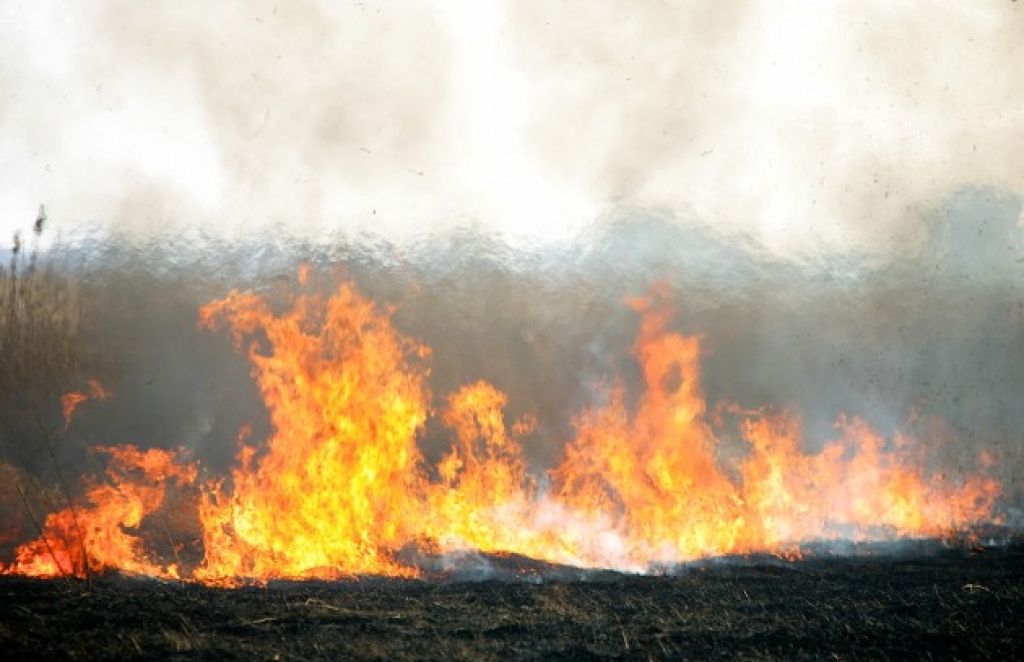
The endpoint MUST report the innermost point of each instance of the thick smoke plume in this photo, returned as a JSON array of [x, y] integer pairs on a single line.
[[821, 128]]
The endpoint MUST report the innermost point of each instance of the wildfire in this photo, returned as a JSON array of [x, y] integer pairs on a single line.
[[340, 487]]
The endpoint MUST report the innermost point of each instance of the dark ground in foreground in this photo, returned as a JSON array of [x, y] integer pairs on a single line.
[[951, 605]]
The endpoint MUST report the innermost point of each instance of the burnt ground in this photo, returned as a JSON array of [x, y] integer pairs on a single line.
[[946, 605]]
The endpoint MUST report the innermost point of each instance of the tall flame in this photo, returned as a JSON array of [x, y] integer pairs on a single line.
[[336, 489], [341, 488]]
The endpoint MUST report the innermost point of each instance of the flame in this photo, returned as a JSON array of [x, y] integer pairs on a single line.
[[654, 474], [335, 491], [70, 401], [485, 500], [657, 475], [340, 487], [98, 535]]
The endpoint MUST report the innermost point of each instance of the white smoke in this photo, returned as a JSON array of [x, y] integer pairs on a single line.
[[807, 126]]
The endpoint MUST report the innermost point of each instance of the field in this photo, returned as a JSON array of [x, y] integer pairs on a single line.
[[940, 605]]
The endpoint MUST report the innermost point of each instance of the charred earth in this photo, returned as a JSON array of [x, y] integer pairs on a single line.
[[947, 604]]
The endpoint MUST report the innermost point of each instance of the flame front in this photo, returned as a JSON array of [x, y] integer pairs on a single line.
[[340, 488]]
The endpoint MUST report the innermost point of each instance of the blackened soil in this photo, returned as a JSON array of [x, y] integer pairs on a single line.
[[940, 606]]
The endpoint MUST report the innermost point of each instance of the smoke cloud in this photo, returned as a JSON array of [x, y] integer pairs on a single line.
[[831, 127], [832, 190]]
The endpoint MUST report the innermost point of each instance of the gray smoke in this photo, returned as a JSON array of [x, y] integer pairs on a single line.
[[937, 333], [833, 190]]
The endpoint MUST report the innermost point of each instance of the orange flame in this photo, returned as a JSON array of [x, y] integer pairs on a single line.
[[340, 488], [99, 535], [70, 401], [335, 490], [657, 475]]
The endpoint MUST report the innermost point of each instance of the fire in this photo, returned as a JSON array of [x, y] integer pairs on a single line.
[[336, 490], [655, 473], [340, 488], [485, 500], [854, 488], [98, 535], [70, 401]]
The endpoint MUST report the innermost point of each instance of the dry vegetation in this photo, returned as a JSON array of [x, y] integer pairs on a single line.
[[40, 318], [40, 325]]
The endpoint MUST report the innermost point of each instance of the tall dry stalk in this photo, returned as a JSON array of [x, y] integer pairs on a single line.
[[39, 324], [40, 321]]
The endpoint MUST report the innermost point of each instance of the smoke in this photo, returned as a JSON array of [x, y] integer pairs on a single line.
[[930, 345], [826, 128], [826, 125], [833, 192]]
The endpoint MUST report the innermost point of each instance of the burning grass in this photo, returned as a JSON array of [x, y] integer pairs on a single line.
[[340, 487], [340, 490], [40, 328]]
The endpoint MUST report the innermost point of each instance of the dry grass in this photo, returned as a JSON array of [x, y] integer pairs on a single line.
[[40, 319], [40, 341], [40, 325]]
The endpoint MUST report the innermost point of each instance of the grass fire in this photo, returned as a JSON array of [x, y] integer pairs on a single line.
[[338, 514], [511, 330], [340, 487], [368, 490]]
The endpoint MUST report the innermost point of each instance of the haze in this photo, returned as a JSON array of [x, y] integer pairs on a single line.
[[807, 127]]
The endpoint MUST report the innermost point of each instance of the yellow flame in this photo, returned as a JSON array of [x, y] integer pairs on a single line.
[[340, 487]]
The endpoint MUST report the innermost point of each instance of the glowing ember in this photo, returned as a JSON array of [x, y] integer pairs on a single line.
[[340, 487]]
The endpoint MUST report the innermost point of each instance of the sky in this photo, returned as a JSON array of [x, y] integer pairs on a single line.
[[805, 126]]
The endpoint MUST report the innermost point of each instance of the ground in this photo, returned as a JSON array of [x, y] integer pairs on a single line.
[[947, 605]]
